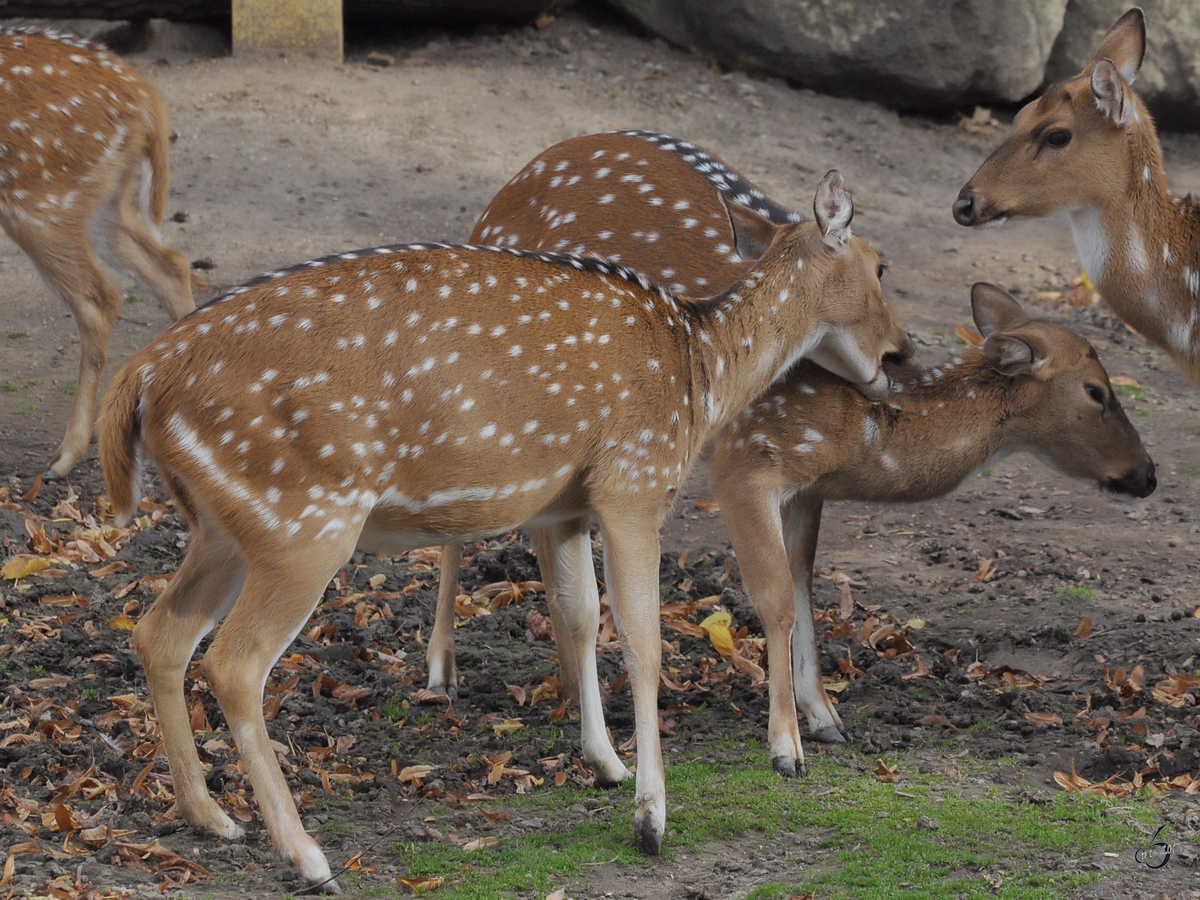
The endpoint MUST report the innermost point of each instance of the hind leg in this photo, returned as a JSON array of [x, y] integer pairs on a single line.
[[281, 589], [70, 269], [439, 652], [197, 598], [132, 244]]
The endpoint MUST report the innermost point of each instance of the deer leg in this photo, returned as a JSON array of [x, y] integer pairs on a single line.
[[71, 271], [273, 606], [565, 550], [197, 598], [752, 518], [131, 243], [631, 552], [802, 524], [439, 652], [544, 548]]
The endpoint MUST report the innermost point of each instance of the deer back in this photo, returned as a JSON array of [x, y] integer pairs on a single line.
[[652, 202]]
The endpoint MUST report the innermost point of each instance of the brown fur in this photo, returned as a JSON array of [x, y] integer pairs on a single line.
[[76, 138], [1110, 174], [394, 397]]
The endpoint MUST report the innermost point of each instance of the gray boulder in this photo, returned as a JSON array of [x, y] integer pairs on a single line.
[[1170, 78], [914, 54]]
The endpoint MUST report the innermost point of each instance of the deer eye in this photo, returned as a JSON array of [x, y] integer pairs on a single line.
[[1096, 393], [879, 272], [1059, 137]]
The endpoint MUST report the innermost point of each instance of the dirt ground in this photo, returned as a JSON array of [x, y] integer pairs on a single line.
[[282, 160]]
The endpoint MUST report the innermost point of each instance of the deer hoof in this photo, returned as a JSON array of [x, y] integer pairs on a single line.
[[445, 690], [784, 765], [830, 734]]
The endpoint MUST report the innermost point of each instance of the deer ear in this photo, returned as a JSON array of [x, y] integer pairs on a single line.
[[1109, 92], [1124, 45], [752, 232], [1010, 355], [833, 210], [994, 309]]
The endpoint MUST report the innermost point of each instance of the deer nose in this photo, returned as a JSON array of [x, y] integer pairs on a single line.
[[964, 209]]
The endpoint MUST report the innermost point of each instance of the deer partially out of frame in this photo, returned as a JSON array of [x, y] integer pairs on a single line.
[[1088, 146], [1033, 385], [84, 173], [398, 397], [654, 203]]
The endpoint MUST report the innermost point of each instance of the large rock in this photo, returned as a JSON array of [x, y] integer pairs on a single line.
[[916, 54], [1170, 78]]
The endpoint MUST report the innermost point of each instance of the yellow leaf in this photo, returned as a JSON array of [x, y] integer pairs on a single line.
[[124, 623], [916, 623], [717, 626], [508, 726], [23, 566]]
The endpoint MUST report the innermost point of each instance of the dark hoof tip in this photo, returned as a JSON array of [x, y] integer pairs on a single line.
[[50, 475], [647, 841], [802, 770], [599, 781], [784, 765], [830, 734]]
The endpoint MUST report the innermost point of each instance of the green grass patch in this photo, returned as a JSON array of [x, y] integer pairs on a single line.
[[26, 410], [13, 335], [1078, 592], [1129, 392], [923, 838], [70, 388]]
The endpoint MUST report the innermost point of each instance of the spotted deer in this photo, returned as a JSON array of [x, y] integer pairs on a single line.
[[84, 175], [398, 397], [1033, 385], [652, 202], [1087, 146]]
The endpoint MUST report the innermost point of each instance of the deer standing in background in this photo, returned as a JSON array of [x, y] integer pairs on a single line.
[[1033, 385], [394, 398], [654, 203], [84, 173], [1088, 146]]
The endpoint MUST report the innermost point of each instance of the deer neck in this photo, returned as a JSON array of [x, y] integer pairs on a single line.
[[747, 337], [964, 405], [1141, 248]]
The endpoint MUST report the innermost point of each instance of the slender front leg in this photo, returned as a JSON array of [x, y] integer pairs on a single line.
[[565, 551], [439, 652], [801, 526], [752, 518], [631, 570]]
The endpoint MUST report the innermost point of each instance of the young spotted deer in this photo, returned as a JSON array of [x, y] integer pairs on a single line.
[[1088, 146], [84, 174], [393, 398], [1033, 385], [654, 203]]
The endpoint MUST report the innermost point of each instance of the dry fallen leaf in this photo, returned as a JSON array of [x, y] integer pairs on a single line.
[[887, 774], [422, 884], [708, 506], [1038, 718], [479, 844], [970, 336], [1085, 628]]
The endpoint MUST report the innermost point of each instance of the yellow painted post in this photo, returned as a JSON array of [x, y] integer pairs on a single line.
[[294, 26]]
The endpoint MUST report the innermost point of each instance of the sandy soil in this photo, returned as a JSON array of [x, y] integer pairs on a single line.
[[282, 160]]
